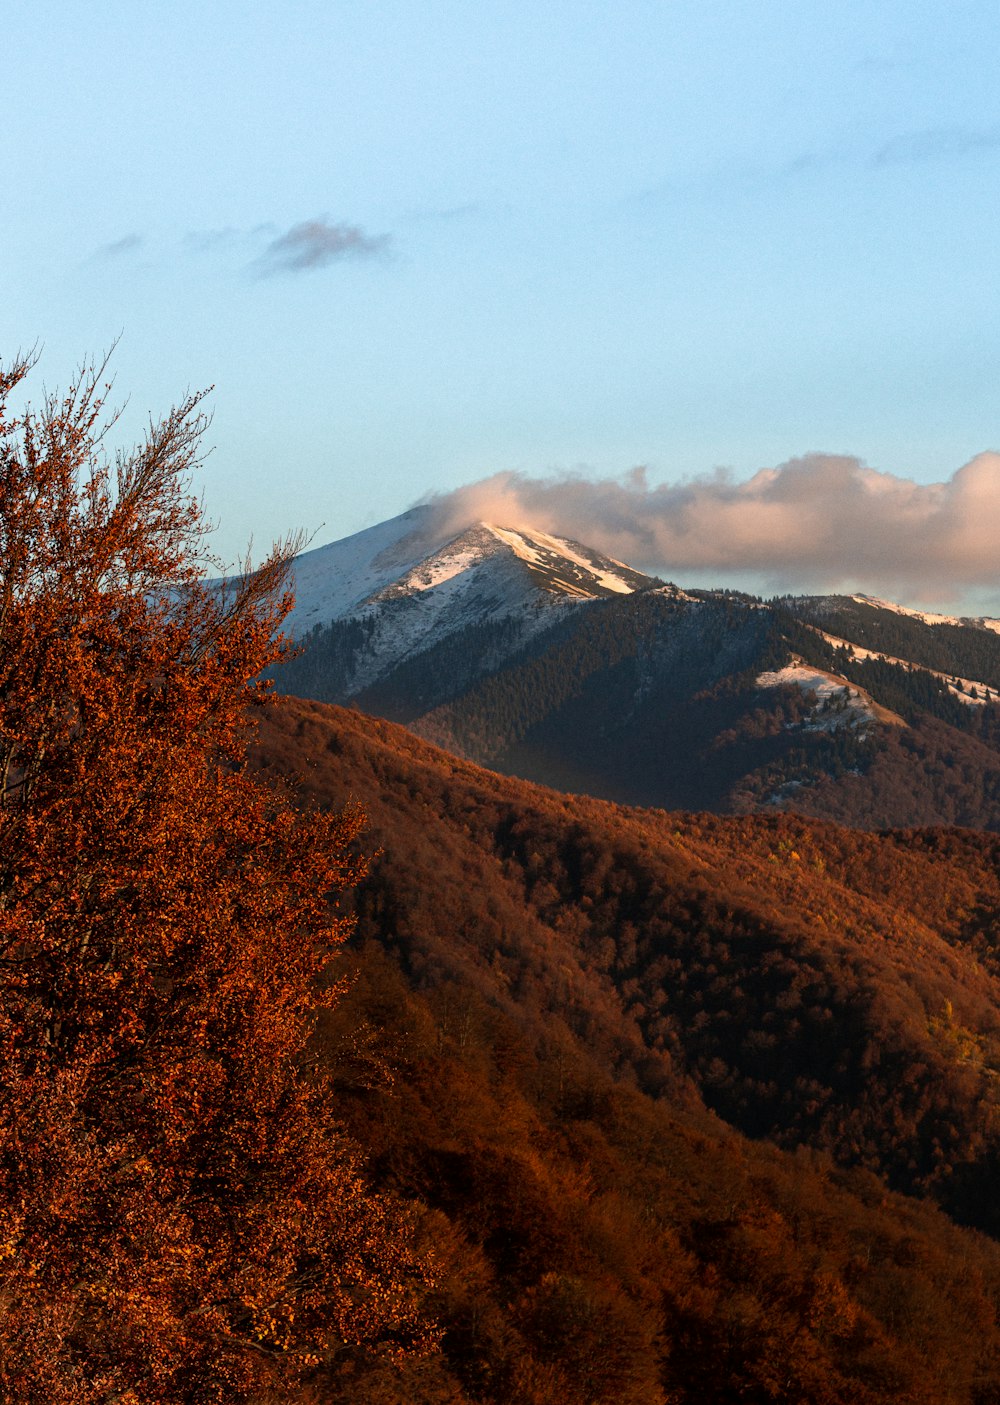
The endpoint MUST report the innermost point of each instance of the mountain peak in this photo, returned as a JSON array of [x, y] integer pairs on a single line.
[[418, 554], [394, 591], [556, 565]]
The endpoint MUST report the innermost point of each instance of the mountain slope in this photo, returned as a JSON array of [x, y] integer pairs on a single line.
[[673, 942], [566, 1015], [538, 657], [368, 605], [702, 705]]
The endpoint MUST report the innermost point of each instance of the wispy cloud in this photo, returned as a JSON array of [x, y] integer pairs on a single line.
[[823, 522], [126, 245], [315, 244], [933, 144], [937, 144]]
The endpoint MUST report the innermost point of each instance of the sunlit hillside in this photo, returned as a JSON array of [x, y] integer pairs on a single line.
[[691, 1108]]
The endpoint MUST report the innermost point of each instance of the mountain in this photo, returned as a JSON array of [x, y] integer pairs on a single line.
[[373, 602], [419, 555], [687, 1107], [537, 656]]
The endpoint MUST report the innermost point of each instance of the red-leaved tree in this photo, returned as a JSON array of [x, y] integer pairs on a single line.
[[180, 1219]]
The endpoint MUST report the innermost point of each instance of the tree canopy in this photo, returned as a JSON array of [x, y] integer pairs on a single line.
[[180, 1218]]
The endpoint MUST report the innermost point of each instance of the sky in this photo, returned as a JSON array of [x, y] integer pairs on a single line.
[[710, 281]]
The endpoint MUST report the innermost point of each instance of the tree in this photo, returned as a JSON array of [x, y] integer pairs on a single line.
[[180, 1218]]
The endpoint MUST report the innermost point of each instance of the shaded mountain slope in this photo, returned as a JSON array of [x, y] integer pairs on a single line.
[[659, 701], [660, 698], [586, 1008], [538, 656]]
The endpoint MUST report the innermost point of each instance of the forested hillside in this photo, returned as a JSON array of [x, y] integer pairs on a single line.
[[567, 1020], [967, 649], [655, 699]]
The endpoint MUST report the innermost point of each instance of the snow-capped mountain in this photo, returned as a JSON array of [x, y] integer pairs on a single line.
[[534, 654], [408, 584], [414, 556]]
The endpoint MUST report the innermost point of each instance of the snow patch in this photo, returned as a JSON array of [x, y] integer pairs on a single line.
[[927, 616], [525, 544], [838, 703]]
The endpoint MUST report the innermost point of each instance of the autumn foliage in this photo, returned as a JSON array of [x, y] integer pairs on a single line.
[[180, 1217], [694, 1102]]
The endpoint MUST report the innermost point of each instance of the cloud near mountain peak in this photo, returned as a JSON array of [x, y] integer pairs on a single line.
[[821, 521]]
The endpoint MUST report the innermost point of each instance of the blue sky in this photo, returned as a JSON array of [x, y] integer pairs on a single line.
[[417, 245]]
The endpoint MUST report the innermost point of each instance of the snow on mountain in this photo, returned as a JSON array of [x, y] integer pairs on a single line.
[[398, 593], [412, 585], [839, 704], [334, 580], [967, 690], [572, 568], [928, 617], [411, 557], [820, 604]]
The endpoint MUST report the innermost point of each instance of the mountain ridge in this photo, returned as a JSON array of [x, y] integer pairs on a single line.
[[532, 654]]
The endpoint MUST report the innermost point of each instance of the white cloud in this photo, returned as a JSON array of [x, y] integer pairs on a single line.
[[820, 522]]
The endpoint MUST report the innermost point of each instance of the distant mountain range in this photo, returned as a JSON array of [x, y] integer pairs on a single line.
[[540, 657]]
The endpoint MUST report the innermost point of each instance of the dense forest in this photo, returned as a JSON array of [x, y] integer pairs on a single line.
[[691, 1108], [653, 699]]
